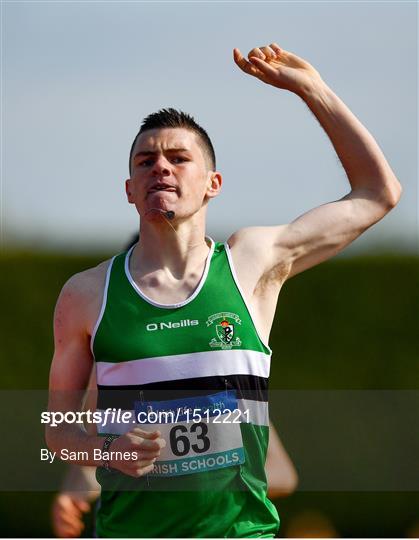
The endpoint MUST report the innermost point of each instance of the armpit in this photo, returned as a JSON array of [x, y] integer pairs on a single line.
[[273, 277]]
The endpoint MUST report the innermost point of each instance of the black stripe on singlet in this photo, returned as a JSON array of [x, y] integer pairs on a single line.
[[124, 397]]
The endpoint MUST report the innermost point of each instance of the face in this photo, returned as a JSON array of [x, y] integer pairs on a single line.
[[169, 172]]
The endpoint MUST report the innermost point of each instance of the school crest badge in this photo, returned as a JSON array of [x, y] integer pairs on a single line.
[[224, 328]]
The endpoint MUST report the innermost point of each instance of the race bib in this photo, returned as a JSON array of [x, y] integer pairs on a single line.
[[202, 433]]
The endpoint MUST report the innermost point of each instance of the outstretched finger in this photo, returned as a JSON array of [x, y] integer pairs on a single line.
[[243, 64]]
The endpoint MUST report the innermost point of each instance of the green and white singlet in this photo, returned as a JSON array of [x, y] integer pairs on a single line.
[[197, 371]]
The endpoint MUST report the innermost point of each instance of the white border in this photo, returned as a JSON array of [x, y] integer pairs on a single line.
[[102, 309], [180, 304], [233, 271]]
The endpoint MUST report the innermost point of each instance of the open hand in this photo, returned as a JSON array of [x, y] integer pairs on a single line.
[[279, 68]]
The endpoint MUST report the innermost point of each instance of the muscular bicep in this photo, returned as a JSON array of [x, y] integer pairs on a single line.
[[324, 231], [280, 252]]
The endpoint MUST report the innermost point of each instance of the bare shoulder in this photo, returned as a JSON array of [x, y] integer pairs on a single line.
[[88, 282], [81, 297], [75, 316], [251, 249]]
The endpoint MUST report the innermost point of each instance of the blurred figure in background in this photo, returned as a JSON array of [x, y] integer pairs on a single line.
[[79, 492]]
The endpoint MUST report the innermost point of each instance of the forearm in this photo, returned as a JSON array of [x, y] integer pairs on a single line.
[[71, 440], [81, 482], [359, 153]]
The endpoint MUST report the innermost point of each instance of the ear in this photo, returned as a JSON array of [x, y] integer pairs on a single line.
[[215, 181], [129, 190]]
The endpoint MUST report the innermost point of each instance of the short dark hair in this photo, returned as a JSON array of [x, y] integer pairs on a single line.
[[171, 118]]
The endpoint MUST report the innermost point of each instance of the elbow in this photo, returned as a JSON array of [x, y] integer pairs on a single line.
[[291, 484], [51, 438], [287, 488], [284, 484], [385, 199], [392, 195]]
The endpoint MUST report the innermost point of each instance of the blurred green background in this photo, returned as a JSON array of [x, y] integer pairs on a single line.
[[346, 324]]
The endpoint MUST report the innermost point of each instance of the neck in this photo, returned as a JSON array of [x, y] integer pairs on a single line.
[[172, 246]]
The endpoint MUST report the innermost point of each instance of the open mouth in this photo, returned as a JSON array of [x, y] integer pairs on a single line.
[[161, 187]]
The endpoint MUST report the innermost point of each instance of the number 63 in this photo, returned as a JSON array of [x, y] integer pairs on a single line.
[[180, 444]]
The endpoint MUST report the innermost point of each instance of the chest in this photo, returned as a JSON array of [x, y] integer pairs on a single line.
[[167, 290]]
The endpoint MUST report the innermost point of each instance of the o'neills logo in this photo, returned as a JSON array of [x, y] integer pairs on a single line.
[[151, 327], [224, 330]]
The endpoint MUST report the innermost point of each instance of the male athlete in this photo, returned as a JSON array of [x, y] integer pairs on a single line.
[[181, 324]]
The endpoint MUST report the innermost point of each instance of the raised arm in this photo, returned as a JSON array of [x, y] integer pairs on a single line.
[[324, 231]]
